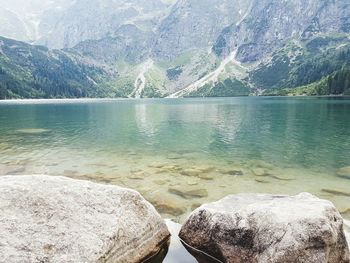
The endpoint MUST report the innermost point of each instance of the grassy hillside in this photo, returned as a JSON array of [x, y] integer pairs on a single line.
[[303, 64], [225, 88], [337, 83]]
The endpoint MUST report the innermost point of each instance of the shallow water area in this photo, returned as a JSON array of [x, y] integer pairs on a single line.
[[181, 153]]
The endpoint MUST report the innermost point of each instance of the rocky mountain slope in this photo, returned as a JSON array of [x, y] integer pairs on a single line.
[[65, 23], [180, 48], [270, 23]]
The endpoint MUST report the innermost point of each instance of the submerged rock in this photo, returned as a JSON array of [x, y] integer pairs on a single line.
[[344, 172], [172, 168], [156, 165], [138, 175], [205, 169], [174, 156], [345, 213], [189, 194], [192, 182], [194, 172], [33, 131], [336, 192], [262, 181], [12, 169], [251, 228], [169, 169], [191, 172], [166, 204], [195, 206], [205, 176], [262, 164], [260, 172], [57, 219], [160, 182], [281, 177], [4, 146], [70, 173], [234, 172]]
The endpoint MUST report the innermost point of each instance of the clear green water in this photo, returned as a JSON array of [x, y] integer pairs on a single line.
[[150, 144], [182, 153], [212, 147]]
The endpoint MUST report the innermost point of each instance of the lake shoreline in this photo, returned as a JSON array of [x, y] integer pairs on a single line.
[[64, 100]]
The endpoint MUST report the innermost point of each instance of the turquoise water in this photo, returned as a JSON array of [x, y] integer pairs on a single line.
[[180, 153], [151, 144]]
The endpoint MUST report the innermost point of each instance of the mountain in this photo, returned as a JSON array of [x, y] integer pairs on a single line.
[[65, 23], [271, 22], [180, 48], [93, 20], [25, 20], [195, 24]]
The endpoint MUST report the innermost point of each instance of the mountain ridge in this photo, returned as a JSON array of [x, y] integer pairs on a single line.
[[207, 48]]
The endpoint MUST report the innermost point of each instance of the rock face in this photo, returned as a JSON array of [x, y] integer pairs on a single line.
[[196, 24], [270, 23], [251, 228], [347, 230], [56, 219]]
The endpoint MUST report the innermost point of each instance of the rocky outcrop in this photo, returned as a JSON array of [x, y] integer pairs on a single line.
[[130, 43], [253, 228], [347, 230], [268, 24], [193, 24], [56, 219], [85, 20]]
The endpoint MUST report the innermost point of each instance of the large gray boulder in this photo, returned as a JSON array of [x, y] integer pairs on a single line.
[[256, 228], [57, 219], [347, 230]]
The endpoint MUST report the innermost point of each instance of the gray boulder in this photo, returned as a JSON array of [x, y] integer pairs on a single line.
[[347, 231], [57, 219], [256, 228]]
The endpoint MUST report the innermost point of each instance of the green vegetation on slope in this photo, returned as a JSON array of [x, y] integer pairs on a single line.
[[337, 83], [303, 63], [317, 66], [226, 88], [28, 71]]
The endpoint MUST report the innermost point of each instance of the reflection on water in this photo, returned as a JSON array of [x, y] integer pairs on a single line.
[[182, 153], [177, 253]]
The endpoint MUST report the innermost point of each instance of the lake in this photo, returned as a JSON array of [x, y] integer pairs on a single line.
[[180, 153]]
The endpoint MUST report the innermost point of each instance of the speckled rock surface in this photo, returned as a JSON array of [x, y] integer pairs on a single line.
[[56, 219], [253, 228], [347, 231]]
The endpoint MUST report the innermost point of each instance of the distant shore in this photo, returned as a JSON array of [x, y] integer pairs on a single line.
[[83, 100]]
